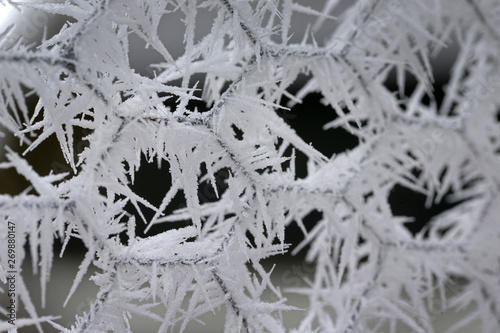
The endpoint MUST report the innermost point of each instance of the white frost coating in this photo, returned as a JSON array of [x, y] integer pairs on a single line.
[[216, 118], [170, 246]]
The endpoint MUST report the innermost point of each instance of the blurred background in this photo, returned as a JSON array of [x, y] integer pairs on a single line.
[[306, 118]]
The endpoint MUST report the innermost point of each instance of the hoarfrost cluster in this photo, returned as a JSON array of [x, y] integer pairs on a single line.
[[253, 63]]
